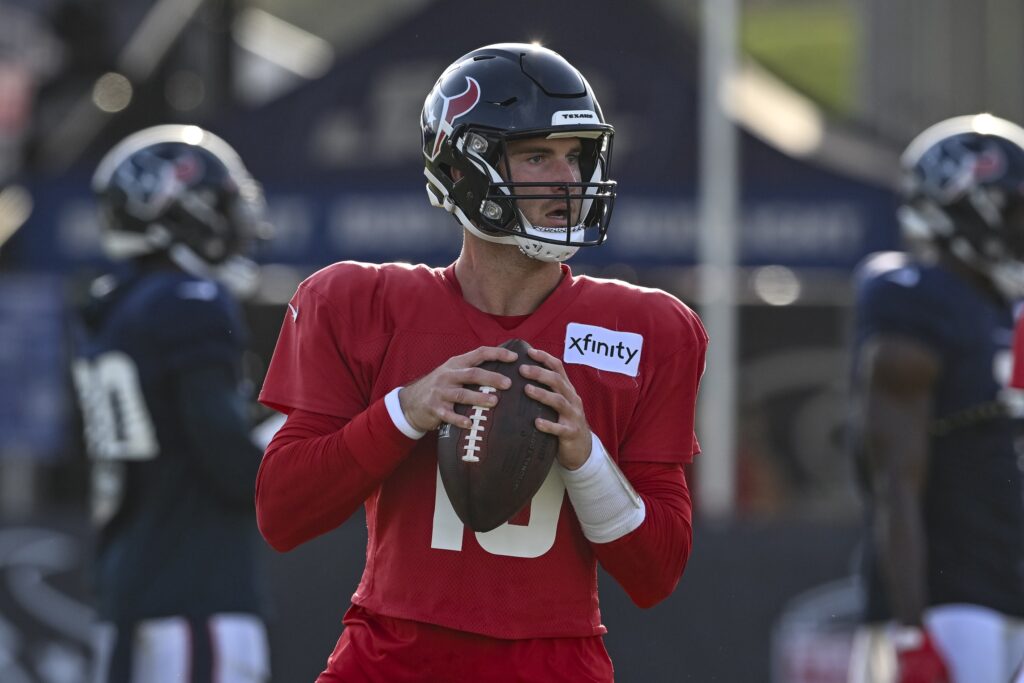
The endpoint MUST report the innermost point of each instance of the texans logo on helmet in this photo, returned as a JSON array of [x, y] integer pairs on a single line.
[[454, 107], [188, 168], [989, 164]]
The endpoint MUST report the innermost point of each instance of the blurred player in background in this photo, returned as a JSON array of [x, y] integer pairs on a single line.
[[167, 425], [373, 358], [944, 560]]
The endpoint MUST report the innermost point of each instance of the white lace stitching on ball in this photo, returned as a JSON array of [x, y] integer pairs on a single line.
[[475, 433]]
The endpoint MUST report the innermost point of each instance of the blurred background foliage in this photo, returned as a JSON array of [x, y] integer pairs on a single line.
[[814, 47]]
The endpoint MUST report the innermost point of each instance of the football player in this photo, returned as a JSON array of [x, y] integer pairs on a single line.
[[944, 560], [167, 426], [372, 359]]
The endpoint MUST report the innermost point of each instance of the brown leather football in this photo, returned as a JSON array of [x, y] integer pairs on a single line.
[[492, 470]]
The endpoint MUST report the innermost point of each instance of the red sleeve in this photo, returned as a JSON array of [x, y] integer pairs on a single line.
[[318, 363], [319, 469], [662, 426], [649, 561], [1017, 378]]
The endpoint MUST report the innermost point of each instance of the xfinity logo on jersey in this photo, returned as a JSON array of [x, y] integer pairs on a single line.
[[603, 349], [565, 118]]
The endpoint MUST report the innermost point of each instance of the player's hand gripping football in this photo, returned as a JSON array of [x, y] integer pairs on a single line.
[[431, 399], [572, 429]]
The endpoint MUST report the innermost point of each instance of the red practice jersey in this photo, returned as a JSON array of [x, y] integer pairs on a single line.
[[1017, 373], [356, 331]]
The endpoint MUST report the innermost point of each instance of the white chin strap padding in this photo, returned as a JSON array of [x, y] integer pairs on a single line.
[[1008, 277], [240, 275], [545, 251]]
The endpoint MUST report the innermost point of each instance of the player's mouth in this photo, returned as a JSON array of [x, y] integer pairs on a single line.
[[557, 218]]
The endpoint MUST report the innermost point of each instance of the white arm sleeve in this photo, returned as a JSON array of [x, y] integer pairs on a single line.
[[394, 407], [605, 502]]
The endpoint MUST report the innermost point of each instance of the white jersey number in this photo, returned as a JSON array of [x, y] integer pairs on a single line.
[[512, 540], [118, 426], [117, 422]]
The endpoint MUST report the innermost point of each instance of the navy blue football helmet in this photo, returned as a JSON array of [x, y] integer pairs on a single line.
[[506, 92], [180, 190], [964, 192]]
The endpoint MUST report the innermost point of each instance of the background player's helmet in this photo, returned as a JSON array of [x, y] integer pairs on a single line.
[[964, 185], [184, 191], [505, 92]]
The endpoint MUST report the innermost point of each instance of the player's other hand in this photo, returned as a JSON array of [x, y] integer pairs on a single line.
[[572, 429], [918, 660], [431, 399]]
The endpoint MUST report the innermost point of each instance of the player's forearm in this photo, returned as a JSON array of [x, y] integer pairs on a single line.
[[897, 447], [319, 469], [899, 532], [649, 561]]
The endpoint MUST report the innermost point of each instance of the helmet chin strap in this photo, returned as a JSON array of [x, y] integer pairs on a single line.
[[239, 274], [1006, 275], [545, 251], [930, 223], [535, 249]]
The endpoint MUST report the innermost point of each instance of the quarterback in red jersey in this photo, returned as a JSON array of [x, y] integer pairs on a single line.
[[373, 358]]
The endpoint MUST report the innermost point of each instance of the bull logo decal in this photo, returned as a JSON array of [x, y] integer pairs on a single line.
[[452, 108], [989, 164]]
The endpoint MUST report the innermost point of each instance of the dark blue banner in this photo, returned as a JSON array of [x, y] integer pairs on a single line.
[[322, 224]]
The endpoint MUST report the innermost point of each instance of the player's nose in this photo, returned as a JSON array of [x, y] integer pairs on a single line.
[[564, 172]]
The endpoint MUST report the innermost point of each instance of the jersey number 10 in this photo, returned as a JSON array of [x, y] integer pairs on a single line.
[[512, 540]]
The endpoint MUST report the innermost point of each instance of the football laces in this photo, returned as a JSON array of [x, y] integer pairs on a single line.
[[476, 431]]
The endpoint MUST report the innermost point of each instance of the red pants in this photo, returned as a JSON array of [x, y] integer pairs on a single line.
[[374, 648]]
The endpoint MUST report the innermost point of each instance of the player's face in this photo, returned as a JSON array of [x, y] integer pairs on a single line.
[[541, 160]]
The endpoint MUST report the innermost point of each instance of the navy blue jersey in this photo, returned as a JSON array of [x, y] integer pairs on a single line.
[[173, 538], [974, 513]]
